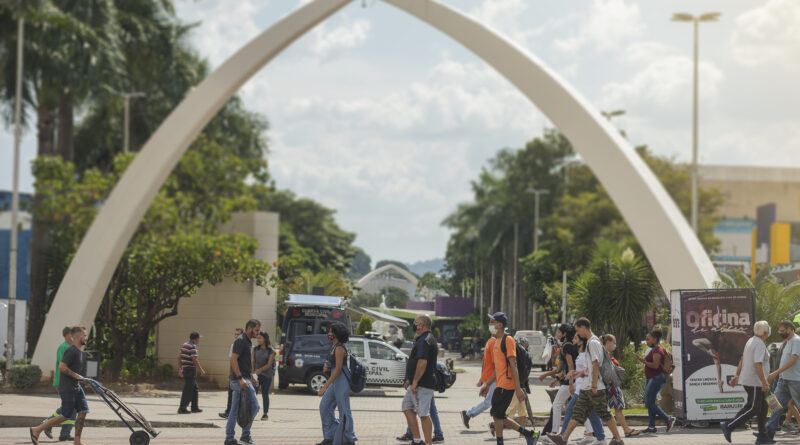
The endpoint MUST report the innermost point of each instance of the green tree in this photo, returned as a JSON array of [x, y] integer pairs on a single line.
[[176, 249], [364, 326], [615, 290], [395, 297], [775, 302], [361, 265]]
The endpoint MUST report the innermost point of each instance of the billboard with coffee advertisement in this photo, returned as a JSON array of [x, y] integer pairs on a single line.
[[709, 330]]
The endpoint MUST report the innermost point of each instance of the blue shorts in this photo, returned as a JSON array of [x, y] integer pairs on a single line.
[[73, 402]]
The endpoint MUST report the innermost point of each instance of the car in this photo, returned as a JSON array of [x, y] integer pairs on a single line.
[[537, 341]]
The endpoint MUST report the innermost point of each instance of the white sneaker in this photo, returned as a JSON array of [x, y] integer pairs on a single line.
[[599, 442], [586, 440], [546, 440]]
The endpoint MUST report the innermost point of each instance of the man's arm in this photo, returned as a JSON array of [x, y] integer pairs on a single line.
[[180, 365], [783, 368], [65, 370], [761, 376], [595, 373], [735, 378], [236, 371], [418, 373], [197, 364]]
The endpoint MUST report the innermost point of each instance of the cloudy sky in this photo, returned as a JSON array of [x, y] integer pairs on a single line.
[[387, 120]]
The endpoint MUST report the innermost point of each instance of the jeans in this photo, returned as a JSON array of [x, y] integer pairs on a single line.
[[651, 389], [437, 426], [484, 405], [337, 396], [594, 419], [784, 391], [236, 390], [265, 384], [190, 389]]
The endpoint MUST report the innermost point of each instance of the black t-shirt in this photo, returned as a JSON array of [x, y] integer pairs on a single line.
[[75, 359], [425, 348], [244, 348], [567, 349]]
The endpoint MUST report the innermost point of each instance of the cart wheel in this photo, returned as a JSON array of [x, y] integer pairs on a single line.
[[139, 438]]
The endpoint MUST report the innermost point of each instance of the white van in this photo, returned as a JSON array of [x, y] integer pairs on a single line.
[[536, 344]]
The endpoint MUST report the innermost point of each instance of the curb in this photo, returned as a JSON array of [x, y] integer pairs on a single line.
[[27, 421]]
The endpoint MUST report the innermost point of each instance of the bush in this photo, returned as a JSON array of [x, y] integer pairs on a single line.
[[24, 376], [634, 380], [364, 326], [137, 369], [436, 333]]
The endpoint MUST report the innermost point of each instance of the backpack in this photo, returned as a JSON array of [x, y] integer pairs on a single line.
[[441, 377], [245, 414], [523, 362], [667, 365], [610, 374], [354, 372]]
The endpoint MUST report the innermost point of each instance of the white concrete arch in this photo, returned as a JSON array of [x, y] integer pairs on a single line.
[[406, 274], [675, 253]]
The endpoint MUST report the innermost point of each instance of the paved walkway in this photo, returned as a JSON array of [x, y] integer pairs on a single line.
[[294, 418]]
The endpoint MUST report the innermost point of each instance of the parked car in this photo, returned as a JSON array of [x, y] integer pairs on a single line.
[[537, 341]]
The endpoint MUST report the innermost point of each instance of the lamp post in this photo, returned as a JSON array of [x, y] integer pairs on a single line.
[[536, 192], [695, 20], [127, 124], [12, 253]]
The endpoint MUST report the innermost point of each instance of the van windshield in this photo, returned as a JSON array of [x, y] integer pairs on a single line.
[[308, 327]]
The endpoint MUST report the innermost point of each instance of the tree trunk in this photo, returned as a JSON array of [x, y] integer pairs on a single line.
[[45, 125], [66, 125]]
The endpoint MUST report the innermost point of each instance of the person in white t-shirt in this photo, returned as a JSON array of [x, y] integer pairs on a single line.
[[592, 394], [751, 373]]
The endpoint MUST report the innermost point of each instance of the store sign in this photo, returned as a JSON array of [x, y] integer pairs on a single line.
[[709, 330]]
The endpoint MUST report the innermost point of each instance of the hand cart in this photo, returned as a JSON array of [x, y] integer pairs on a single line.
[[134, 417]]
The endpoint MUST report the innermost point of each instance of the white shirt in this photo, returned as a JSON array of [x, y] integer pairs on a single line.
[[595, 354], [755, 351], [580, 365]]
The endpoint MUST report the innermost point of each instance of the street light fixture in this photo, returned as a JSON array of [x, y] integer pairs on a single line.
[[685, 17]]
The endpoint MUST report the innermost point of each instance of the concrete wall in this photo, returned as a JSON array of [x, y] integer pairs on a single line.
[[746, 188], [215, 311]]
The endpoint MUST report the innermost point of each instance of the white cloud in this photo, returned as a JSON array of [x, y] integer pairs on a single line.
[[348, 35], [769, 33], [226, 26], [665, 80], [608, 24]]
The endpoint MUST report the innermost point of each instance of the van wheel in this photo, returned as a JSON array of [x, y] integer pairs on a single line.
[[316, 380]]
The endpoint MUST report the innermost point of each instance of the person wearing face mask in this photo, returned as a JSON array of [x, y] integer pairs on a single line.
[[788, 374], [486, 374], [616, 400], [755, 359], [565, 364], [593, 426], [655, 380]]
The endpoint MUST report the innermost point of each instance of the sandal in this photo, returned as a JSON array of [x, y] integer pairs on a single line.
[[632, 433], [34, 439]]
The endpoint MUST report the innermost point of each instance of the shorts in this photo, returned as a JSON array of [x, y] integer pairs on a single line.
[[588, 402], [73, 402], [615, 398], [517, 406], [501, 399], [419, 402]]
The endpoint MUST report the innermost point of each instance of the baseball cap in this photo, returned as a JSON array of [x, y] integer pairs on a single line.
[[499, 317], [194, 335]]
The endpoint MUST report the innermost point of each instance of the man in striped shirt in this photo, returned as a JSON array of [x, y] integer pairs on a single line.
[[187, 368]]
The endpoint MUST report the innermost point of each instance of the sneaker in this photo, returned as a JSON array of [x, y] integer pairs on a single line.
[[599, 442], [465, 419], [556, 439], [66, 439], [184, 411], [616, 442], [198, 410], [545, 440], [531, 437], [649, 430], [247, 440], [586, 440], [265, 417], [438, 439], [670, 423], [223, 414], [325, 442], [404, 438], [726, 432]]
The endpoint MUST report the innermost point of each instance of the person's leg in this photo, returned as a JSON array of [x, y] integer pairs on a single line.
[[558, 404], [600, 405], [761, 413], [427, 429], [410, 406], [580, 412], [230, 397], [437, 425], [68, 410], [567, 414], [327, 406], [82, 407], [747, 411], [186, 394], [195, 392], [597, 426], [262, 387], [485, 404], [783, 394], [345, 429], [650, 392], [230, 426], [659, 382], [66, 427], [79, 421]]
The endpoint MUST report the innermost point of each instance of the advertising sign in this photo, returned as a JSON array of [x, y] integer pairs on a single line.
[[709, 330]]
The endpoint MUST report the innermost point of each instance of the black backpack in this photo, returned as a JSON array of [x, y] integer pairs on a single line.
[[442, 377], [523, 363]]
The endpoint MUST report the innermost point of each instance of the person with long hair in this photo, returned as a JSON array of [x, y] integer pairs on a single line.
[[336, 392], [565, 364], [616, 400], [593, 426], [655, 380], [265, 369]]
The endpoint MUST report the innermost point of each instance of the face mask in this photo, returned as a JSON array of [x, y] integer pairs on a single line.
[[784, 335], [330, 338], [492, 329]]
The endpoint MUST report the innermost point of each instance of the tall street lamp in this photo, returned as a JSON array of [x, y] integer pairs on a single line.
[[127, 131], [684, 17], [536, 192]]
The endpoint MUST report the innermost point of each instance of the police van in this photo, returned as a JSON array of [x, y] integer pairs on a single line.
[[304, 344]]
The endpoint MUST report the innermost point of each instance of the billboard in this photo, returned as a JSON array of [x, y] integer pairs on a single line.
[[709, 330]]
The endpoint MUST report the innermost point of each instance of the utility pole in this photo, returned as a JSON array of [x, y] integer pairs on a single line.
[[126, 139], [514, 297], [536, 193], [684, 17], [564, 297], [12, 257]]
